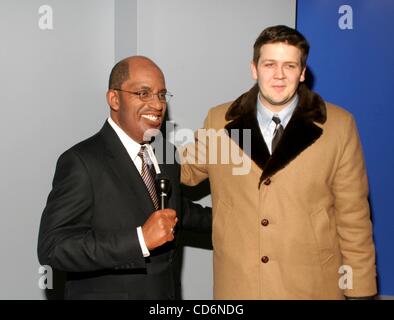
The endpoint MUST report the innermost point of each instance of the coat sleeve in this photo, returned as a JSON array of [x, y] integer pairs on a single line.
[[194, 157], [354, 227], [67, 240]]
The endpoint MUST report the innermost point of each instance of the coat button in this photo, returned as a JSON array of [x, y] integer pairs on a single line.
[[264, 222], [267, 181], [265, 259]]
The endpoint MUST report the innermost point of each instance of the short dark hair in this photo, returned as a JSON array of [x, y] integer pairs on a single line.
[[119, 74], [284, 34]]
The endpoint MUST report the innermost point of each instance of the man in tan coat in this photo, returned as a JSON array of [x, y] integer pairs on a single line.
[[291, 220]]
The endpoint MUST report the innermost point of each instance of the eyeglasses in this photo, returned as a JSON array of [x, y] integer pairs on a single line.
[[147, 96]]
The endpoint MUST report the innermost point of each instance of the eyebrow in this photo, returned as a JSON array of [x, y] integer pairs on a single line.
[[273, 60], [143, 87]]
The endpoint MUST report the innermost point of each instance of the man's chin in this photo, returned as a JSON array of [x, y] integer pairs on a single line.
[[151, 132], [280, 102]]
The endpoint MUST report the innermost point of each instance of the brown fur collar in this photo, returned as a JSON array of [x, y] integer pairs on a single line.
[[299, 134]]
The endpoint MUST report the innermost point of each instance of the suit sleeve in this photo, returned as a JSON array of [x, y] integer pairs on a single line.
[[67, 240], [196, 217], [354, 226]]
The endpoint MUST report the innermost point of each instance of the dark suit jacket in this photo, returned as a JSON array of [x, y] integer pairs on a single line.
[[88, 227]]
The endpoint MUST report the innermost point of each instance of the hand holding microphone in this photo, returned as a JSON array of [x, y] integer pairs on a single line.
[[159, 228], [163, 186]]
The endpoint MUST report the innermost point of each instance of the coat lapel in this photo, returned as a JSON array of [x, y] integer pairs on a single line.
[[299, 134], [258, 152]]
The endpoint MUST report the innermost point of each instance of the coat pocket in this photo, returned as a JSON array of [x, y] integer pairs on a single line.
[[321, 228]]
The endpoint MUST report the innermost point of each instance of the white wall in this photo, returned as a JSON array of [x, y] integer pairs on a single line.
[[53, 85], [125, 28]]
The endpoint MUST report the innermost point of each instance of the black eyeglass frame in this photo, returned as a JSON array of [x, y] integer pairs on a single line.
[[149, 97]]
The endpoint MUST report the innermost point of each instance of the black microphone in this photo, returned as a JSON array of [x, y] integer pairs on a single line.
[[163, 186]]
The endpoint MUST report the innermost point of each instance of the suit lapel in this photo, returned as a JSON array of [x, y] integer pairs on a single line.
[[124, 168], [300, 133]]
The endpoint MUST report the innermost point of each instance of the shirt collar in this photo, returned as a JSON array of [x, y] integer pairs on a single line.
[[265, 115], [131, 145]]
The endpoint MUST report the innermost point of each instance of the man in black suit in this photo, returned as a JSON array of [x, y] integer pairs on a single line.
[[102, 223]]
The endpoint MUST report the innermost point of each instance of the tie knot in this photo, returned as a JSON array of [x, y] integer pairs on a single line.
[[276, 119], [144, 155], [142, 152]]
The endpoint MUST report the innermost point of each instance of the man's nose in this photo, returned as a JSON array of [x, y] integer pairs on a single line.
[[157, 103], [279, 74]]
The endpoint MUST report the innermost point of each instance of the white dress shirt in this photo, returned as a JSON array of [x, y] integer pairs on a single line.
[[133, 148], [264, 119]]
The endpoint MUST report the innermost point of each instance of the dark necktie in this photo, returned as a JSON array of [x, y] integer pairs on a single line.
[[277, 133], [148, 174]]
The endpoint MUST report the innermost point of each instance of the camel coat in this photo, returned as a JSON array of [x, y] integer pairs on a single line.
[[288, 227]]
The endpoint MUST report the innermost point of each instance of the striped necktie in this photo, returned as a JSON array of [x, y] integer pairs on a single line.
[[148, 174], [278, 132]]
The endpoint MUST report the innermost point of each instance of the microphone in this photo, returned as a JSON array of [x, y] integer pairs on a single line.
[[163, 186]]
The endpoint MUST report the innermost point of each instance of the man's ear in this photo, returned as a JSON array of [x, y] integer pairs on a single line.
[[302, 77], [253, 68], [113, 99]]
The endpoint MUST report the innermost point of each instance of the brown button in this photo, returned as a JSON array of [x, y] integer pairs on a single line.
[[267, 181], [265, 259], [264, 222]]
